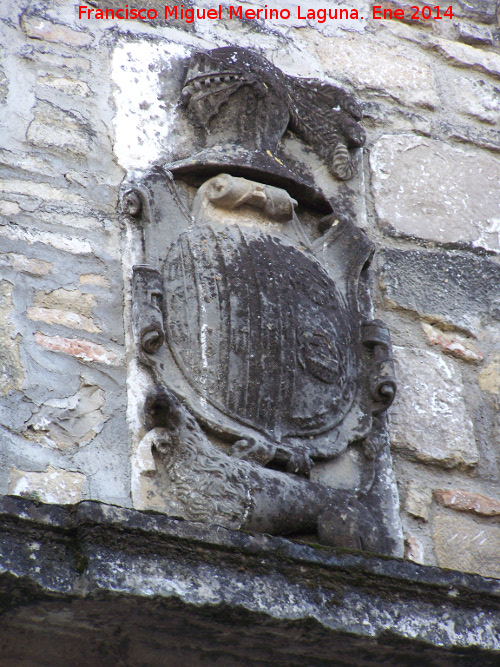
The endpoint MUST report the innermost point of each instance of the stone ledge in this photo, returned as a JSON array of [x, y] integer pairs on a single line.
[[72, 576]]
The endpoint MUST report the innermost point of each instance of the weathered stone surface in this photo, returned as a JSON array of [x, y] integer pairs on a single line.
[[94, 279], [63, 317], [453, 288], [43, 191], [463, 543], [67, 244], [40, 28], [466, 501], [36, 267], [57, 60], [70, 308], [63, 299], [453, 344], [469, 56], [479, 137], [52, 127], [73, 219], [4, 86], [414, 550], [11, 369], [140, 112], [179, 593], [479, 10], [65, 85], [489, 378], [473, 34], [9, 208], [370, 65], [476, 97], [383, 113], [71, 421], [429, 421], [76, 347], [418, 501], [54, 486], [419, 186]]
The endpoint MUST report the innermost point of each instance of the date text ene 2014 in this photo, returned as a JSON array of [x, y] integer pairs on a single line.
[[414, 13]]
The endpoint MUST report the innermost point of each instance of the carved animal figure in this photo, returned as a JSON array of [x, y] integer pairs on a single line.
[[209, 486]]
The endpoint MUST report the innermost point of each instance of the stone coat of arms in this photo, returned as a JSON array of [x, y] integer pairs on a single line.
[[252, 312]]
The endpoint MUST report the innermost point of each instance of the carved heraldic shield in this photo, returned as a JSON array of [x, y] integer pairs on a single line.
[[252, 314]]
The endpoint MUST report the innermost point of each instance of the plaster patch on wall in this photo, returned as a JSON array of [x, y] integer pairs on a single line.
[[141, 121], [76, 420], [138, 382]]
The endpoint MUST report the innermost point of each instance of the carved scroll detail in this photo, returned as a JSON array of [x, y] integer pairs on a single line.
[[376, 337]]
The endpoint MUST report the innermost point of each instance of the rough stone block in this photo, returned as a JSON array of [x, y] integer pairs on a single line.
[[469, 56], [429, 421], [484, 11], [39, 28], [370, 65], [139, 111], [54, 486], [67, 244], [418, 501], [479, 137], [453, 344], [468, 502], [35, 267], [52, 127], [43, 191], [489, 378], [64, 317], [475, 97], [57, 60], [94, 279], [64, 299], [77, 347], [72, 219], [473, 34], [414, 550], [428, 189], [11, 369], [65, 85], [457, 289], [462, 543]]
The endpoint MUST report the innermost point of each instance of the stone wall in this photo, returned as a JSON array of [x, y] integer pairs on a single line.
[[82, 105]]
